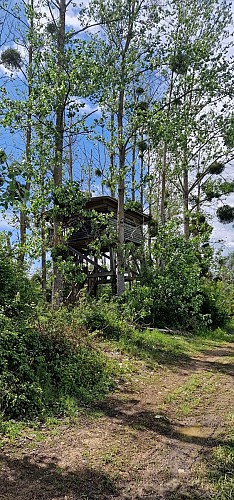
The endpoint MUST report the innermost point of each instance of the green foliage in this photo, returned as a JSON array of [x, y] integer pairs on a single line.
[[225, 214], [179, 63], [229, 133], [142, 146], [59, 252], [215, 305], [212, 189], [199, 225], [104, 317], [138, 303], [20, 391], [18, 293], [113, 321], [216, 168], [133, 205], [54, 365], [227, 187], [11, 429], [176, 289], [217, 189], [227, 268], [3, 156], [221, 468], [48, 369], [69, 200], [14, 179], [11, 59], [47, 364]]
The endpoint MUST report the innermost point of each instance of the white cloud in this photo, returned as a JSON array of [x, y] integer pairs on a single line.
[[73, 21], [72, 14], [6, 72], [5, 224], [87, 108], [223, 236]]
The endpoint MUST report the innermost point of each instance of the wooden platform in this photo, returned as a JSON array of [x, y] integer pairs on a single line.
[[102, 269]]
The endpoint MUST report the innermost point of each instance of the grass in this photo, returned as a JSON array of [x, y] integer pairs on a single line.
[[111, 456], [148, 354], [222, 475], [34, 431], [153, 346], [12, 430], [153, 349], [220, 467], [189, 396]]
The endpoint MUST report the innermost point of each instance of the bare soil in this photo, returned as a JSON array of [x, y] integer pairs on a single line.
[[149, 440]]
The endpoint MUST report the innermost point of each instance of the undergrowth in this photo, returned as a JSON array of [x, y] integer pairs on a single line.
[[54, 363], [105, 321], [49, 367]]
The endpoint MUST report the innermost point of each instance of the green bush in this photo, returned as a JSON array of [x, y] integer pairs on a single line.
[[104, 317], [176, 290], [214, 303], [44, 370], [18, 293]]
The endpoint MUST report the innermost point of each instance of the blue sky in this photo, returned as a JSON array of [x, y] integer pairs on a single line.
[[12, 143]]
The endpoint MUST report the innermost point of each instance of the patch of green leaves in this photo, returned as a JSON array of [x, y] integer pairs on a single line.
[[49, 368]]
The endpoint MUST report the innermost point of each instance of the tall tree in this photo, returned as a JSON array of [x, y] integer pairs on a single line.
[[199, 98], [128, 51]]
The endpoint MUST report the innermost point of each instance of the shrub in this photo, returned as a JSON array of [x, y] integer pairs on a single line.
[[18, 293], [43, 371], [176, 290], [104, 317], [214, 303]]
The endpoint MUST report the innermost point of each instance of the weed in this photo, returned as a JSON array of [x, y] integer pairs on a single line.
[[95, 414], [11, 429], [47, 373], [221, 471], [190, 395]]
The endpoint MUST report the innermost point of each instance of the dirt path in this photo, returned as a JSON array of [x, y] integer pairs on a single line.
[[149, 440]]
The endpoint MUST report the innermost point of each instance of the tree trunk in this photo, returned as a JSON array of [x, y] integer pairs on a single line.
[[23, 222], [121, 189], [57, 292], [142, 180], [43, 255], [163, 187], [120, 238], [150, 204], [164, 171], [70, 164], [186, 203], [133, 169], [187, 104], [112, 157]]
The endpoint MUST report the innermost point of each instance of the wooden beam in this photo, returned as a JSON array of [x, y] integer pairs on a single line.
[[101, 274], [85, 257]]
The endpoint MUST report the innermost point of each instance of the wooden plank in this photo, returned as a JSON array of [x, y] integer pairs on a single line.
[[85, 257], [101, 274]]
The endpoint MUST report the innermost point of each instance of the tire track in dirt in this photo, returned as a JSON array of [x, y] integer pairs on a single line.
[[136, 444]]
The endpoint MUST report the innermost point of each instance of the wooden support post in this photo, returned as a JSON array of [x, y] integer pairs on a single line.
[[113, 271]]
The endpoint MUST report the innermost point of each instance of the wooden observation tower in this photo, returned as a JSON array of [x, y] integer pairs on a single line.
[[102, 269]]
